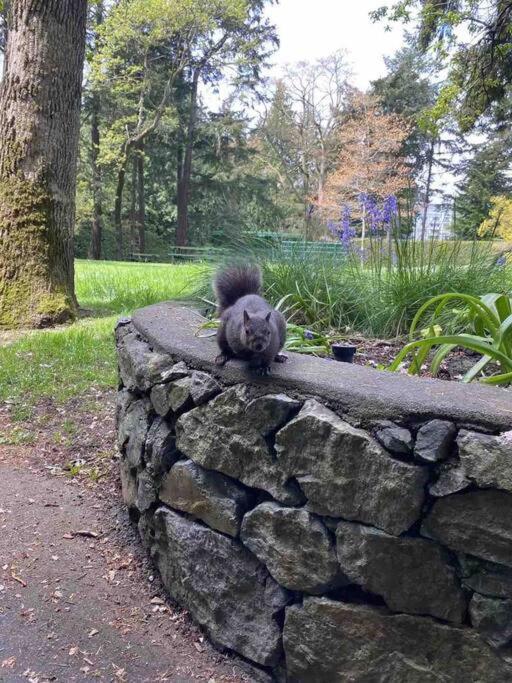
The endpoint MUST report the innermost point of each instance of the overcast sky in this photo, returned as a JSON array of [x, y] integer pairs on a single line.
[[309, 29]]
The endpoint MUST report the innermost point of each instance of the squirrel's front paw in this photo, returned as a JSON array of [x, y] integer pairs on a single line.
[[221, 359], [281, 358]]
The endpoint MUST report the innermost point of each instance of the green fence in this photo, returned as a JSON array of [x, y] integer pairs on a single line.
[[272, 247]]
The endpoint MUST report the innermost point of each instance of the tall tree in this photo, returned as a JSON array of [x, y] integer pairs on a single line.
[[138, 58], [480, 69], [296, 136], [98, 15], [153, 58], [484, 176], [141, 199], [408, 90], [370, 159], [318, 93], [243, 44], [38, 155], [277, 143]]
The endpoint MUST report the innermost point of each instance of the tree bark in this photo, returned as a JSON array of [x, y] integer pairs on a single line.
[[96, 228], [39, 125], [133, 205], [141, 201], [118, 207], [427, 190], [185, 167]]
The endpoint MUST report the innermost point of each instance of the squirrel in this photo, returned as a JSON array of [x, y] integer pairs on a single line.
[[250, 329]]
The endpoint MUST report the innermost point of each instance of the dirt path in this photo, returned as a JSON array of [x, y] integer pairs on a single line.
[[78, 599]]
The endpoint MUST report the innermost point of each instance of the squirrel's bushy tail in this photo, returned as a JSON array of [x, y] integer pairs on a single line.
[[235, 282]]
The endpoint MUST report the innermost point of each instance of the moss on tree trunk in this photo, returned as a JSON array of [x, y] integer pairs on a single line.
[[39, 123]]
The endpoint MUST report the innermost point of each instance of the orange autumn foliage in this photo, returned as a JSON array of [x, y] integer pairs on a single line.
[[369, 159]]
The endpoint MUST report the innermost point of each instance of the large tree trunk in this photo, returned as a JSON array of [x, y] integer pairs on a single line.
[[133, 205], [185, 166], [96, 229], [118, 207], [141, 200], [182, 199], [39, 125]]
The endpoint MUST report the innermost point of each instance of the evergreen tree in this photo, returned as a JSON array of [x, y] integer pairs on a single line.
[[151, 59], [480, 68], [407, 90], [484, 176], [277, 143]]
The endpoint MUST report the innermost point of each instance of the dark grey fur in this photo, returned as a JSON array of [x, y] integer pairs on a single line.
[[250, 328]]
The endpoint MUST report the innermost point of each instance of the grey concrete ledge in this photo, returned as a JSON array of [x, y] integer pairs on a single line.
[[362, 394]]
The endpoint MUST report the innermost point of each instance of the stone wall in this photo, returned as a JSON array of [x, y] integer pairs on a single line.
[[321, 536]]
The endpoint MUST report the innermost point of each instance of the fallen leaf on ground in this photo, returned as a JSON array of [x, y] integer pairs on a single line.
[[8, 663], [86, 532], [17, 578], [119, 672]]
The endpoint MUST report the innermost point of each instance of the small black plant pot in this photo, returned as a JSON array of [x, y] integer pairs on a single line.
[[343, 353]]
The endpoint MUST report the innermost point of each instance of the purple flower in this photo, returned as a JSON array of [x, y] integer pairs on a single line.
[[389, 210], [371, 210], [342, 229], [347, 231], [379, 217], [308, 334], [334, 229]]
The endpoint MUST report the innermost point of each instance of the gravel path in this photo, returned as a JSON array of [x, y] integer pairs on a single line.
[[78, 598]]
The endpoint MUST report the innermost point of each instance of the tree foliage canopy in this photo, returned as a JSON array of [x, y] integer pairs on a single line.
[[499, 221], [475, 38], [369, 160]]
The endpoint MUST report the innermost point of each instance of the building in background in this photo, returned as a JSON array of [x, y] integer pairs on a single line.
[[439, 224]]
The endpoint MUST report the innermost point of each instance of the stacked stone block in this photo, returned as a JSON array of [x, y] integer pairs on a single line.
[[319, 549]]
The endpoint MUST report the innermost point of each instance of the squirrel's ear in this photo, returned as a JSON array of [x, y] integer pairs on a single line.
[[267, 317], [246, 317]]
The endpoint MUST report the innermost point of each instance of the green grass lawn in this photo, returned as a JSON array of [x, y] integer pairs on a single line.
[[64, 362], [118, 287]]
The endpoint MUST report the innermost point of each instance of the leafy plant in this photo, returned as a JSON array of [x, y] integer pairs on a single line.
[[301, 340], [488, 321], [298, 338]]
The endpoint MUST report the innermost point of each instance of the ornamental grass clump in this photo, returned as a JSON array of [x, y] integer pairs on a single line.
[[375, 288]]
